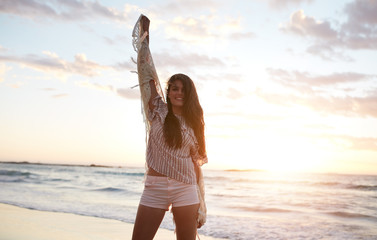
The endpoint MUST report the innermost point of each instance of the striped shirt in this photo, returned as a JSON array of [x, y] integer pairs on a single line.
[[174, 163]]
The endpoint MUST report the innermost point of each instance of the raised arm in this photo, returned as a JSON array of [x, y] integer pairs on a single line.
[[154, 93], [148, 80]]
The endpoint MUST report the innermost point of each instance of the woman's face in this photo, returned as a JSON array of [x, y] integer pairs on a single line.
[[176, 96]]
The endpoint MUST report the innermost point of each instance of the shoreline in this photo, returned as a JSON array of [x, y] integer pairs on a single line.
[[18, 223], [95, 165]]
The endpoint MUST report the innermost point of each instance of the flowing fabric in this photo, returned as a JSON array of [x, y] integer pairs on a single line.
[[145, 67], [146, 71], [202, 211]]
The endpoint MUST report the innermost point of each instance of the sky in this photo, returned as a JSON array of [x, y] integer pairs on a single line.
[[285, 85]]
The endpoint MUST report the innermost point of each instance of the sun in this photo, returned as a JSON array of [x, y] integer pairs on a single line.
[[266, 152]]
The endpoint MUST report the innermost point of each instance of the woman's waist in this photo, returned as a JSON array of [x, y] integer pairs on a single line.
[[189, 177], [152, 172], [164, 167]]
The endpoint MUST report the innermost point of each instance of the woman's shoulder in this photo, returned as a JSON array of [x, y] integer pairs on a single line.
[[157, 108]]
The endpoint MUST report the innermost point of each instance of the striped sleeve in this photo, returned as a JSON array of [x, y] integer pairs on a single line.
[[160, 109], [198, 159]]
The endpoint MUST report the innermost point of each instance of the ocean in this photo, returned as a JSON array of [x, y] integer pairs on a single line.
[[241, 204]]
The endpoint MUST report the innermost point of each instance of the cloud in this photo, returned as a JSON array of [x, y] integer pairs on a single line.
[[183, 28], [305, 82], [242, 35], [308, 26], [177, 18], [363, 143], [96, 86], [180, 7], [3, 70], [16, 85], [190, 29], [126, 65], [324, 38], [231, 93], [351, 142], [67, 10], [361, 15], [51, 62], [187, 61], [49, 89], [358, 32], [328, 52], [117, 39], [62, 95], [206, 29], [332, 105], [26, 8], [277, 4], [128, 93], [230, 78], [323, 93]]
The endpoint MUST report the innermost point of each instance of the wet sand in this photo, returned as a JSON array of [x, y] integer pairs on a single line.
[[20, 224]]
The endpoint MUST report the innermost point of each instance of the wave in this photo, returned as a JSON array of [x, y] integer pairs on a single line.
[[109, 189], [213, 178], [299, 183], [58, 180], [22, 176], [261, 209], [244, 170], [348, 186], [327, 183], [349, 215], [12, 180], [15, 176], [363, 187], [13, 173], [134, 174], [229, 195]]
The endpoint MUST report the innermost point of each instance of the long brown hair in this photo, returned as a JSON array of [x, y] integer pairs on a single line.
[[192, 113]]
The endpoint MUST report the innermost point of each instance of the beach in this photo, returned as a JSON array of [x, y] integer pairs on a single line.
[[86, 202], [20, 223]]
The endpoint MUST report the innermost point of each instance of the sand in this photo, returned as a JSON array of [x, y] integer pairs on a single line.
[[20, 224]]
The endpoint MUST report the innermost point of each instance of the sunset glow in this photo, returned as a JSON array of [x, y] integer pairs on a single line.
[[285, 85]]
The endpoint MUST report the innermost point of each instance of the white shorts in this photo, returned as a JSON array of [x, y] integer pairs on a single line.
[[161, 192]]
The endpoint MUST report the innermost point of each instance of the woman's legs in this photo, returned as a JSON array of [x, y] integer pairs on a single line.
[[147, 221], [185, 221]]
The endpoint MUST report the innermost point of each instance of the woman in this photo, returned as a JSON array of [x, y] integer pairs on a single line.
[[175, 151]]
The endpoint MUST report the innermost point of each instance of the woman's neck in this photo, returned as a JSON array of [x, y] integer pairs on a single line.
[[177, 111]]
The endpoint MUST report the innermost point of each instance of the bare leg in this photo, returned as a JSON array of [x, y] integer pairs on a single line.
[[185, 221], [147, 222]]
